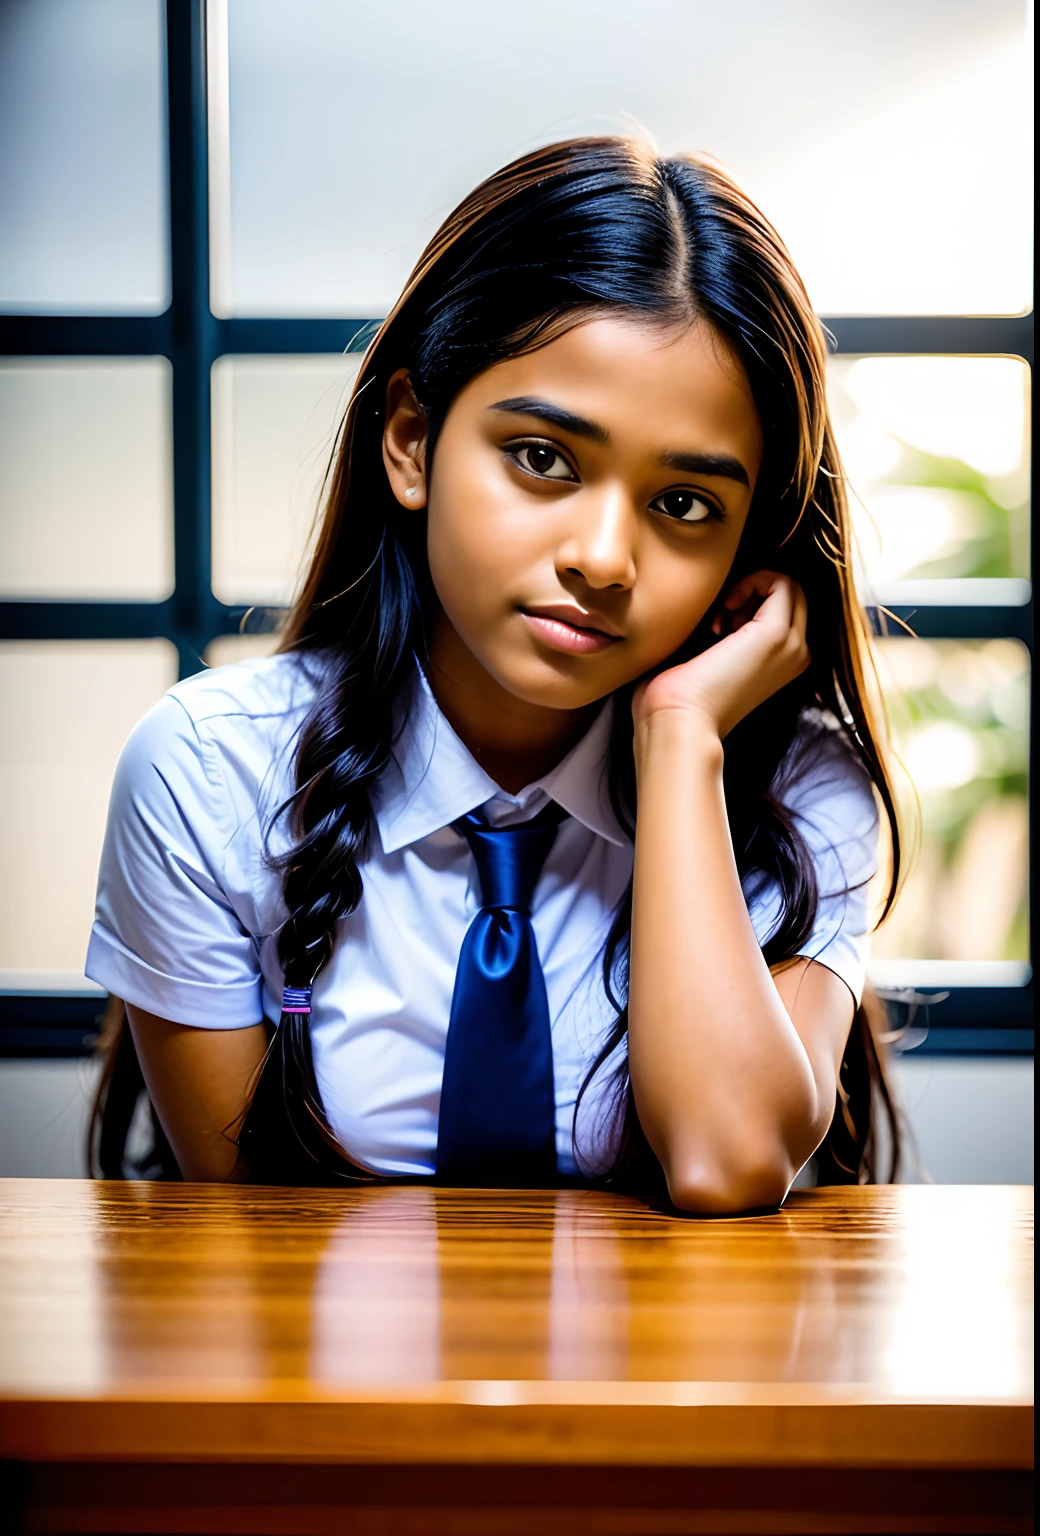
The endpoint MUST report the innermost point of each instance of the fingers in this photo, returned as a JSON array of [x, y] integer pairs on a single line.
[[773, 606], [758, 583], [768, 597]]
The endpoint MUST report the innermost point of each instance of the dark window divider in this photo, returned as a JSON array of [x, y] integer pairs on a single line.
[[967, 623], [139, 621], [154, 336], [40, 1025]]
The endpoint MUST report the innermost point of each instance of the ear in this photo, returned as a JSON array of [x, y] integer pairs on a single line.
[[404, 442]]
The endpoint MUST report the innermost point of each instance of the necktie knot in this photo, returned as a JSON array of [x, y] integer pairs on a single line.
[[509, 859]]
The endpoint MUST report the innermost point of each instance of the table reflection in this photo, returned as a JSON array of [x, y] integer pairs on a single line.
[[913, 1293], [406, 1292], [413, 1288]]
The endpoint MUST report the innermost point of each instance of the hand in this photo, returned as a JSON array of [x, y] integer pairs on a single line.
[[761, 648]]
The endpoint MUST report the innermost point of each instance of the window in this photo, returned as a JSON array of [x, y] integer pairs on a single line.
[[200, 218]]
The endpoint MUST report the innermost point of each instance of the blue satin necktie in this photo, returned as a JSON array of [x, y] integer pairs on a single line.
[[498, 1110]]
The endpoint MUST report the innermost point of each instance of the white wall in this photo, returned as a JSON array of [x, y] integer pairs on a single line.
[[43, 1118], [972, 1117]]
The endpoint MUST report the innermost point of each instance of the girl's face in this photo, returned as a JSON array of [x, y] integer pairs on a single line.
[[585, 504]]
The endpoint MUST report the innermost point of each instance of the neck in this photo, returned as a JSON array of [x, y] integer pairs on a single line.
[[515, 742]]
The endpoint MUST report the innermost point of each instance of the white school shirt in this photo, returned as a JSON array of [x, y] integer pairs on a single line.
[[188, 913]]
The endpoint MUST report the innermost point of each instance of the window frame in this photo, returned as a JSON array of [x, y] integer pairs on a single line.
[[39, 1024]]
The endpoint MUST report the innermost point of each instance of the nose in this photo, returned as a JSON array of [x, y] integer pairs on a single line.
[[600, 544]]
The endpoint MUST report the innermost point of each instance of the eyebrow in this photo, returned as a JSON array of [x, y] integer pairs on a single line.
[[719, 464], [531, 405], [722, 464]]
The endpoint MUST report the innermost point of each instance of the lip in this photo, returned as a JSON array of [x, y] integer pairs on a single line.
[[559, 627]]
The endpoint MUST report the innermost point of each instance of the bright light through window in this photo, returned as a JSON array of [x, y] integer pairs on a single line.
[[890, 145], [923, 206], [936, 450], [274, 426]]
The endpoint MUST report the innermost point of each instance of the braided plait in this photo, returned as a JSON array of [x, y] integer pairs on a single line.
[[344, 745]]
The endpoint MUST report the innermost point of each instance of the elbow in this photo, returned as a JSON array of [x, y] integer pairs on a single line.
[[202, 1173], [755, 1184], [211, 1165], [214, 1171], [747, 1163]]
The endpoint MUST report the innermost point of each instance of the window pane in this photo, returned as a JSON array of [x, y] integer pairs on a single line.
[[888, 143], [75, 703], [274, 424], [937, 453], [86, 485], [227, 649], [83, 184], [960, 717]]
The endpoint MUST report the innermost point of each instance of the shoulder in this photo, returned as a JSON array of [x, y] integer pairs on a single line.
[[822, 777], [829, 793], [830, 798], [221, 732], [265, 690]]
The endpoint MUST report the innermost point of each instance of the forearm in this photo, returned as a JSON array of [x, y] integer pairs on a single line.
[[723, 1084]]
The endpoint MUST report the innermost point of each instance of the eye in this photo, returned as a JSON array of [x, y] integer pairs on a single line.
[[542, 459], [686, 507]]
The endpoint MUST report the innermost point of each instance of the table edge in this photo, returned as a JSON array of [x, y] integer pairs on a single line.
[[918, 1435]]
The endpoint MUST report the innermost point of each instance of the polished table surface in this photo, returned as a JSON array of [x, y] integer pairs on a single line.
[[856, 1327], [852, 1324]]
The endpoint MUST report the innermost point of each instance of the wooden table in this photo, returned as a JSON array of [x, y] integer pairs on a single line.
[[195, 1358]]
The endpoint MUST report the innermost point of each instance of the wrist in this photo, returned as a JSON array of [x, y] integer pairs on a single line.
[[687, 734]]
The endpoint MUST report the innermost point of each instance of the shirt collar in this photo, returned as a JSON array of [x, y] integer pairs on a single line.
[[432, 778]]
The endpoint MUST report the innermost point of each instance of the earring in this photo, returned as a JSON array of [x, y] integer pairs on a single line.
[[410, 491]]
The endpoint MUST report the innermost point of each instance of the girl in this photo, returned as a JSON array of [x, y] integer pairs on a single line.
[[545, 835]]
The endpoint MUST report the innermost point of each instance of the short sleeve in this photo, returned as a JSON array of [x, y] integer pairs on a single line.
[[832, 801], [166, 937]]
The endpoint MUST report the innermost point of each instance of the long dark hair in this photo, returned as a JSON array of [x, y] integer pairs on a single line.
[[571, 231]]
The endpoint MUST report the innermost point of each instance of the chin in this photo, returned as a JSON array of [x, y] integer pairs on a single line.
[[570, 684]]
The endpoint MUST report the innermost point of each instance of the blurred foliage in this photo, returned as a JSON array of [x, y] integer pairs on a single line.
[[959, 712], [994, 538]]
